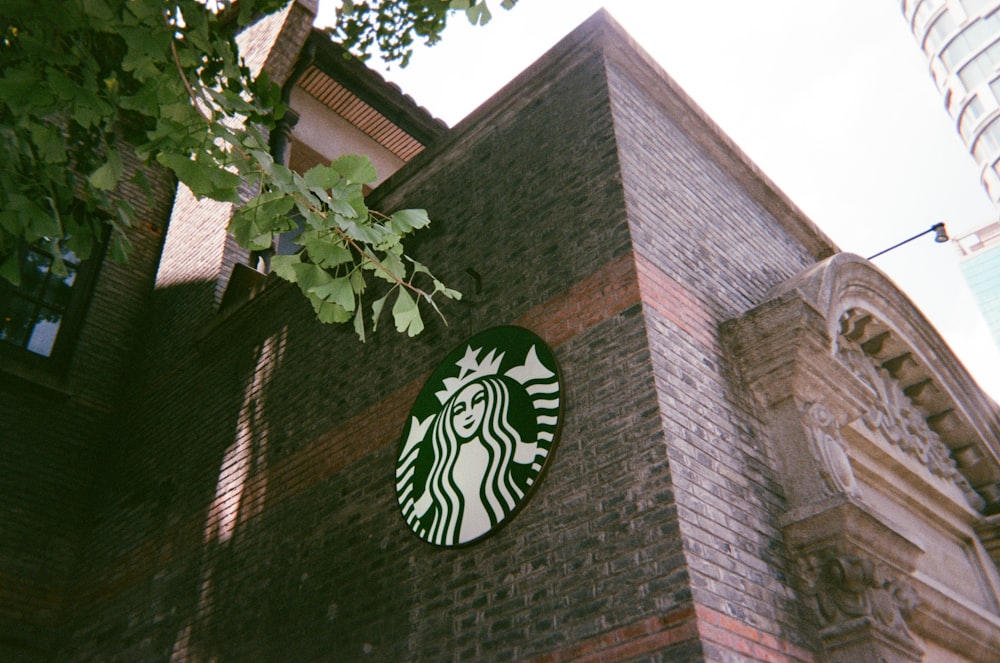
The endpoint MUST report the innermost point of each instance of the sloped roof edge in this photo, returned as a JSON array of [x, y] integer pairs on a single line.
[[621, 48], [385, 97], [601, 33]]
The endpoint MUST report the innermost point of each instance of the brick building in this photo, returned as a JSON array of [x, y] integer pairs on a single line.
[[766, 452]]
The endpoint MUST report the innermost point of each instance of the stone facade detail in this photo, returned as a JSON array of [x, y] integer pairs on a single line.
[[862, 608], [848, 588], [774, 487], [892, 414], [828, 449], [869, 402]]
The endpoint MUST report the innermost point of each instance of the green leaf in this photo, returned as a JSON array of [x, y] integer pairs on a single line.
[[50, 143], [11, 269], [99, 9], [359, 324], [126, 212], [406, 314], [204, 180], [284, 266], [145, 101], [38, 222], [377, 306], [180, 111], [312, 219], [283, 176], [479, 13], [365, 233], [310, 276], [325, 253], [21, 90], [355, 168], [249, 230], [80, 241], [328, 312], [406, 220], [62, 85], [120, 246], [344, 202], [355, 197], [392, 269], [447, 292], [139, 179], [322, 177], [11, 221], [338, 291], [106, 177], [58, 265], [358, 282]]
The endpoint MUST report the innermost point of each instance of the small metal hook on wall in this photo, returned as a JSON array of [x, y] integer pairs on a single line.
[[477, 279]]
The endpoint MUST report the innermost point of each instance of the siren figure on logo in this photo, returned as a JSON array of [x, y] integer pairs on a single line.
[[464, 468]]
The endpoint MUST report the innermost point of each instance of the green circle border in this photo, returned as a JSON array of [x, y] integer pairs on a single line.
[[498, 338]]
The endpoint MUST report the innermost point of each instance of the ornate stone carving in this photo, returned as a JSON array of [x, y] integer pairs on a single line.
[[849, 587], [893, 414], [854, 596], [828, 448]]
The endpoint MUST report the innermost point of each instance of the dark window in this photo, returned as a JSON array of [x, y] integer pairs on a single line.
[[39, 316]]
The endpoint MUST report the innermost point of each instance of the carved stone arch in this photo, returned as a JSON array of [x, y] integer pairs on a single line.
[[861, 305], [888, 454]]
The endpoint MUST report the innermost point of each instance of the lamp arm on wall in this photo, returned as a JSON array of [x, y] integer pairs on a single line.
[[940, 236]]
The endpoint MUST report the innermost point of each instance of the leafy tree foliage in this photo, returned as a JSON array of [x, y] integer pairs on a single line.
[[163, 78], [391, 26]]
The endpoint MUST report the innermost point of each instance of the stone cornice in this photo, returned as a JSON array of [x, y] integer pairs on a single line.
[[842, 303]]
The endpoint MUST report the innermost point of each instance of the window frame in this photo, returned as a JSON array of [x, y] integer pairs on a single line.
[[71, 321]]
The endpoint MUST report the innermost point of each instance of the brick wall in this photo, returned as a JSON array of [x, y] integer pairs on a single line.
[[59, 428], [707, 249], [55, 434], [249, 512]]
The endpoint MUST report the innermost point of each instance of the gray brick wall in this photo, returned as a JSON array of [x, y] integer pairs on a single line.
[[327, 570], [701, 231], [248, 510]]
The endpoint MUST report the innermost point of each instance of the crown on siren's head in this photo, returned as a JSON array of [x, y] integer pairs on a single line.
[[470, 369]]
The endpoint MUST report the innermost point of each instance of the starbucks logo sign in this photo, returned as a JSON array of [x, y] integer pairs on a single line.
[[478, 436]]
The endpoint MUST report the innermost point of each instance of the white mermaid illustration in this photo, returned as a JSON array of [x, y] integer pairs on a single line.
[[464, 469]]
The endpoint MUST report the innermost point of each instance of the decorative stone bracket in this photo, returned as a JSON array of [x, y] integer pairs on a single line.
[[862, 610], [856, 567]]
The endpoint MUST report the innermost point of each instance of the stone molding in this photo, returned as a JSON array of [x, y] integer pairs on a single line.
[[945, 617], [840, 346], [856, 568]]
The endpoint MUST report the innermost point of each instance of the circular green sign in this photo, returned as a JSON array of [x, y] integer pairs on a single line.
[[478, 437]]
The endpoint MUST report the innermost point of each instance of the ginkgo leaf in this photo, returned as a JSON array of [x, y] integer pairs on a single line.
[[406, 314]]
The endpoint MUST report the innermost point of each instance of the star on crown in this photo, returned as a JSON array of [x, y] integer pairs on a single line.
[[470, 369]]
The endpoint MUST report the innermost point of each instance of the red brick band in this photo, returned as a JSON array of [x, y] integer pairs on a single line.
[[652, 634], [749, 642], [605, 293], [685, 626], [674, 301]]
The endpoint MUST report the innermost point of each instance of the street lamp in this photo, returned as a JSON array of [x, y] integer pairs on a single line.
[[940, 236]]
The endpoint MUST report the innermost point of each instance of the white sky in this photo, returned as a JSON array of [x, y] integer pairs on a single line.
[[833, 100]]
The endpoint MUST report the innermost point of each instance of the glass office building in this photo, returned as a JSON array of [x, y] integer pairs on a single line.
[[961, 39], [981, 267]]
